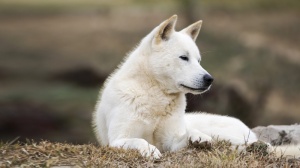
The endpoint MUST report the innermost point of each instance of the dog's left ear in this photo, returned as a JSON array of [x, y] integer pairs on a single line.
[[193, 30]]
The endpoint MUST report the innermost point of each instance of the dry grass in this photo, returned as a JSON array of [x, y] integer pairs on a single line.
[[47, 154]]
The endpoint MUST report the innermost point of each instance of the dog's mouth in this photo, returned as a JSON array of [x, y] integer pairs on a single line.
[[195, 89]]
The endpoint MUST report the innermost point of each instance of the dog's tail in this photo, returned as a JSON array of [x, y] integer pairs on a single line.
[[287, 151]]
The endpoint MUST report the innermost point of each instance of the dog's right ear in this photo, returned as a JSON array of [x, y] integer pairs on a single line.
[[165, 29]]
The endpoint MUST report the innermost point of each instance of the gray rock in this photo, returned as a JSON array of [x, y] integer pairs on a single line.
[[278, 134]]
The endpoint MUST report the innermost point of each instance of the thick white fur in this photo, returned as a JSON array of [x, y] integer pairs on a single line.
[[221, 127], [142, 104]]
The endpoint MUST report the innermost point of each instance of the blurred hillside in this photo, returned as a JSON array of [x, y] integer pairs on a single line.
[[55, 55]]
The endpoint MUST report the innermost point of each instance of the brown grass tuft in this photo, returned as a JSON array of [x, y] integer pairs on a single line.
[[47, 154]]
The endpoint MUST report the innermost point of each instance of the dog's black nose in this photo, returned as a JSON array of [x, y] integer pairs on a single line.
[[208, 79]]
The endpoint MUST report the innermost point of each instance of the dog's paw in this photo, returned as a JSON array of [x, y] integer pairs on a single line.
[[150, 151], [203, 141], [146, 149]]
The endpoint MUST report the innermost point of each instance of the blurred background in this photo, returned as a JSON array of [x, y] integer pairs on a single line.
[[55, 55]]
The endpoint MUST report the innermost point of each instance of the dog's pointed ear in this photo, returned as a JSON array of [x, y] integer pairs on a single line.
[[165, 29], [193, 30]]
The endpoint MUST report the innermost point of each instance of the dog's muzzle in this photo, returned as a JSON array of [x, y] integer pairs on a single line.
[[204, 85]]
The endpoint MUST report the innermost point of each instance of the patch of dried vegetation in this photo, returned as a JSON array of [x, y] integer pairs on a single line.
[[47, 154]]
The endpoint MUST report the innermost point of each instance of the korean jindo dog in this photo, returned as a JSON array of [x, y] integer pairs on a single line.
[[142, 104]]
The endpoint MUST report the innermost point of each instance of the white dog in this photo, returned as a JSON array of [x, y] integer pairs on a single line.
[[142, 104]]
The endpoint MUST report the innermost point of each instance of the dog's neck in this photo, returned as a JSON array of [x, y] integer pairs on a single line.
[[145, 74], [137, 73]]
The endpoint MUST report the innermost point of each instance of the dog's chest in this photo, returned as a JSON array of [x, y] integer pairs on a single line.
[[157, 105], [151, 106]]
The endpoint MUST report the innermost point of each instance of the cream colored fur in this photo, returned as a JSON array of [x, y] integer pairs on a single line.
[[142, 104], [287, 150]]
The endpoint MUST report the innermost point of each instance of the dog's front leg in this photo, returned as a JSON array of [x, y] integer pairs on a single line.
[[125, 130], [173, 134]]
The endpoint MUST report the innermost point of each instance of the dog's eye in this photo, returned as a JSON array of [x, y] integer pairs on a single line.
[[185, 58]]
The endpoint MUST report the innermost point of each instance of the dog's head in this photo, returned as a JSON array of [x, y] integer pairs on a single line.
[[175, 58]]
